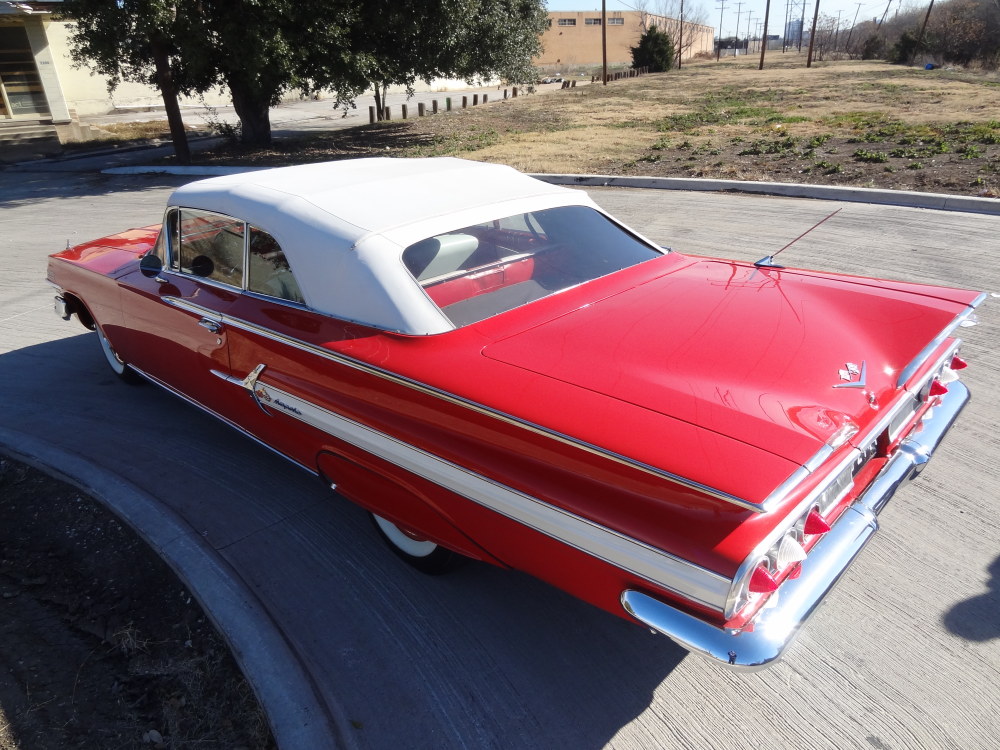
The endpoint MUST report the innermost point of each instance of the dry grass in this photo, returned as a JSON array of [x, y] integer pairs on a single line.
[[939, 130]]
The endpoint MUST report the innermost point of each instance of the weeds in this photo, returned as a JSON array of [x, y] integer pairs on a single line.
[[872, 157]]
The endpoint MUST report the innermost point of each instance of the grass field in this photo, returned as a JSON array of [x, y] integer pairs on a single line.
[[846, 122]]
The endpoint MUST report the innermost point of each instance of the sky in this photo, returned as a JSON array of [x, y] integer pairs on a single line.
[[866, 9]]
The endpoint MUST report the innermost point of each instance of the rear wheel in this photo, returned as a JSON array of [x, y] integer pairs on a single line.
[[423, 554], [116, 363]]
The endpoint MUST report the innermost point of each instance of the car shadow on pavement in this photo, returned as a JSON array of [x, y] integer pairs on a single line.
[[978, 618], [483, 657]]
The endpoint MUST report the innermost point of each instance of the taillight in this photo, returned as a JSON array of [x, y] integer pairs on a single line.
[[761, 581], [815, 523], [938, 389]]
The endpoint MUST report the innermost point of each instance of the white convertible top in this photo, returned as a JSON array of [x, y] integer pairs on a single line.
[[344, 225]]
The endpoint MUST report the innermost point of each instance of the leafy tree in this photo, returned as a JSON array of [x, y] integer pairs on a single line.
[[905, 47], [873, 47], [398, 42], [258, 49], [133, 40], [654, 51], [261, 49]]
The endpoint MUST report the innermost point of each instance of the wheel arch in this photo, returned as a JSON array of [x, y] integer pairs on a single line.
[[402, 502], [75, 305]]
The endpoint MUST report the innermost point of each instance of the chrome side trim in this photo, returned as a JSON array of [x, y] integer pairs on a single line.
[[228, 422], [965, 315], [466, 403], [656, 566], [775, 627]]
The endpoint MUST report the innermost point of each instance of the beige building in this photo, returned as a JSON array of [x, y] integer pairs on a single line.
[[38, 79], [573, 38]]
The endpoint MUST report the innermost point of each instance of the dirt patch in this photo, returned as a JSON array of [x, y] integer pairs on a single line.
[[102, 645], [840, 123]]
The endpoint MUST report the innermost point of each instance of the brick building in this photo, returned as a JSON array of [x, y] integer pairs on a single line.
[[573, 38]]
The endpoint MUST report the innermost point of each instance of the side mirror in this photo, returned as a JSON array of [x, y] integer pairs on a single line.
[[202, 266], [150, 265]]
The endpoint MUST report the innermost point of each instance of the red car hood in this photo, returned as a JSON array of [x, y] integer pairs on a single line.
[[750, 353]]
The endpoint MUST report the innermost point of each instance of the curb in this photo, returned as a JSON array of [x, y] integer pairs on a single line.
[[205, 171], [297, 716], [907, 198]]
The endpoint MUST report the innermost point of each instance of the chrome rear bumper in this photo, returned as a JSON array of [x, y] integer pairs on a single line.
[[775, 627]]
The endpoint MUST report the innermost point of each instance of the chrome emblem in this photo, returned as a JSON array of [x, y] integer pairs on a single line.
[[851, 371]]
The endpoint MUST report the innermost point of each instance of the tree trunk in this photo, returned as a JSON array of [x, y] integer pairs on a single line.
[[254, 113], [165, 82]]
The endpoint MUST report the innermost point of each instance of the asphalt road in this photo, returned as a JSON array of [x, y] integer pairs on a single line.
[[904, 654]]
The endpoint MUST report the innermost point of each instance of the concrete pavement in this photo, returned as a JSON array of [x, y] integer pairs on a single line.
[[905, 654]]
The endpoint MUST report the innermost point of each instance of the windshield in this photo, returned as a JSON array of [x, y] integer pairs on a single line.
[[481, 270]]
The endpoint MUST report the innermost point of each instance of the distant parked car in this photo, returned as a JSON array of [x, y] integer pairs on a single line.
[[497, 369]]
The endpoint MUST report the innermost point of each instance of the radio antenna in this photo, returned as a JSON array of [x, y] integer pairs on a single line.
[[768, 260]]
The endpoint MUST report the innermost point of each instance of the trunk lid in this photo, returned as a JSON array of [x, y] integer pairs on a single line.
[[778, 359]]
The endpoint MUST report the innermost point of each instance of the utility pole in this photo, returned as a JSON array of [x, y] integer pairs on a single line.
[[718, 49], [763, 44], [802, 25], [739, 12], [812, 37], [749, 17], [888, 5], [847, 46], [920, 39], [836, 34], [680, 42], [784, 33], [604, 40]]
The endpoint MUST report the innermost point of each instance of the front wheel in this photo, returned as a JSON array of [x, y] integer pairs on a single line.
[[117, 364], [423, 554]]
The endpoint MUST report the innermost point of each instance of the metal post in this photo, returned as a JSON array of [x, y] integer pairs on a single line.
[[604, 40]]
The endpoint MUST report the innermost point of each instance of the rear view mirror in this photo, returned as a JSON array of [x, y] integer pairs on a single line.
[[150, 265]]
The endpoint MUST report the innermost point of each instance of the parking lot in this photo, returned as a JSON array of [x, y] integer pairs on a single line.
[[904, 654]]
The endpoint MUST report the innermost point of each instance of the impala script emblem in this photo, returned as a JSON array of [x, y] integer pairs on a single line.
[[851, 371]]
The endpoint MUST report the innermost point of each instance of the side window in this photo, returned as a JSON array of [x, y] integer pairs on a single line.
[[269, 272], [211, 246]]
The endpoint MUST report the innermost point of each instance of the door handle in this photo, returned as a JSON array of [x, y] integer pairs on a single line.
[[212, 325]]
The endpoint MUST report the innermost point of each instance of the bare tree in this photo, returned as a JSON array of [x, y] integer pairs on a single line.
[[695, 14]]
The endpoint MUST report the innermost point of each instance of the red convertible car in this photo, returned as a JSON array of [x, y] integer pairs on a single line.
[[496, 369]]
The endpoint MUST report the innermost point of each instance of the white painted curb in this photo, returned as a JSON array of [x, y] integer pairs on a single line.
[[298, 717], [910, 198]]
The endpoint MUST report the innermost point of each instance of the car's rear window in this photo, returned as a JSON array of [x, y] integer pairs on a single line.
[[481, 270]]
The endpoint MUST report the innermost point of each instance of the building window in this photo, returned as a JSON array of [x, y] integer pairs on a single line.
[[616, 22], [592, 22], [567, 22]]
